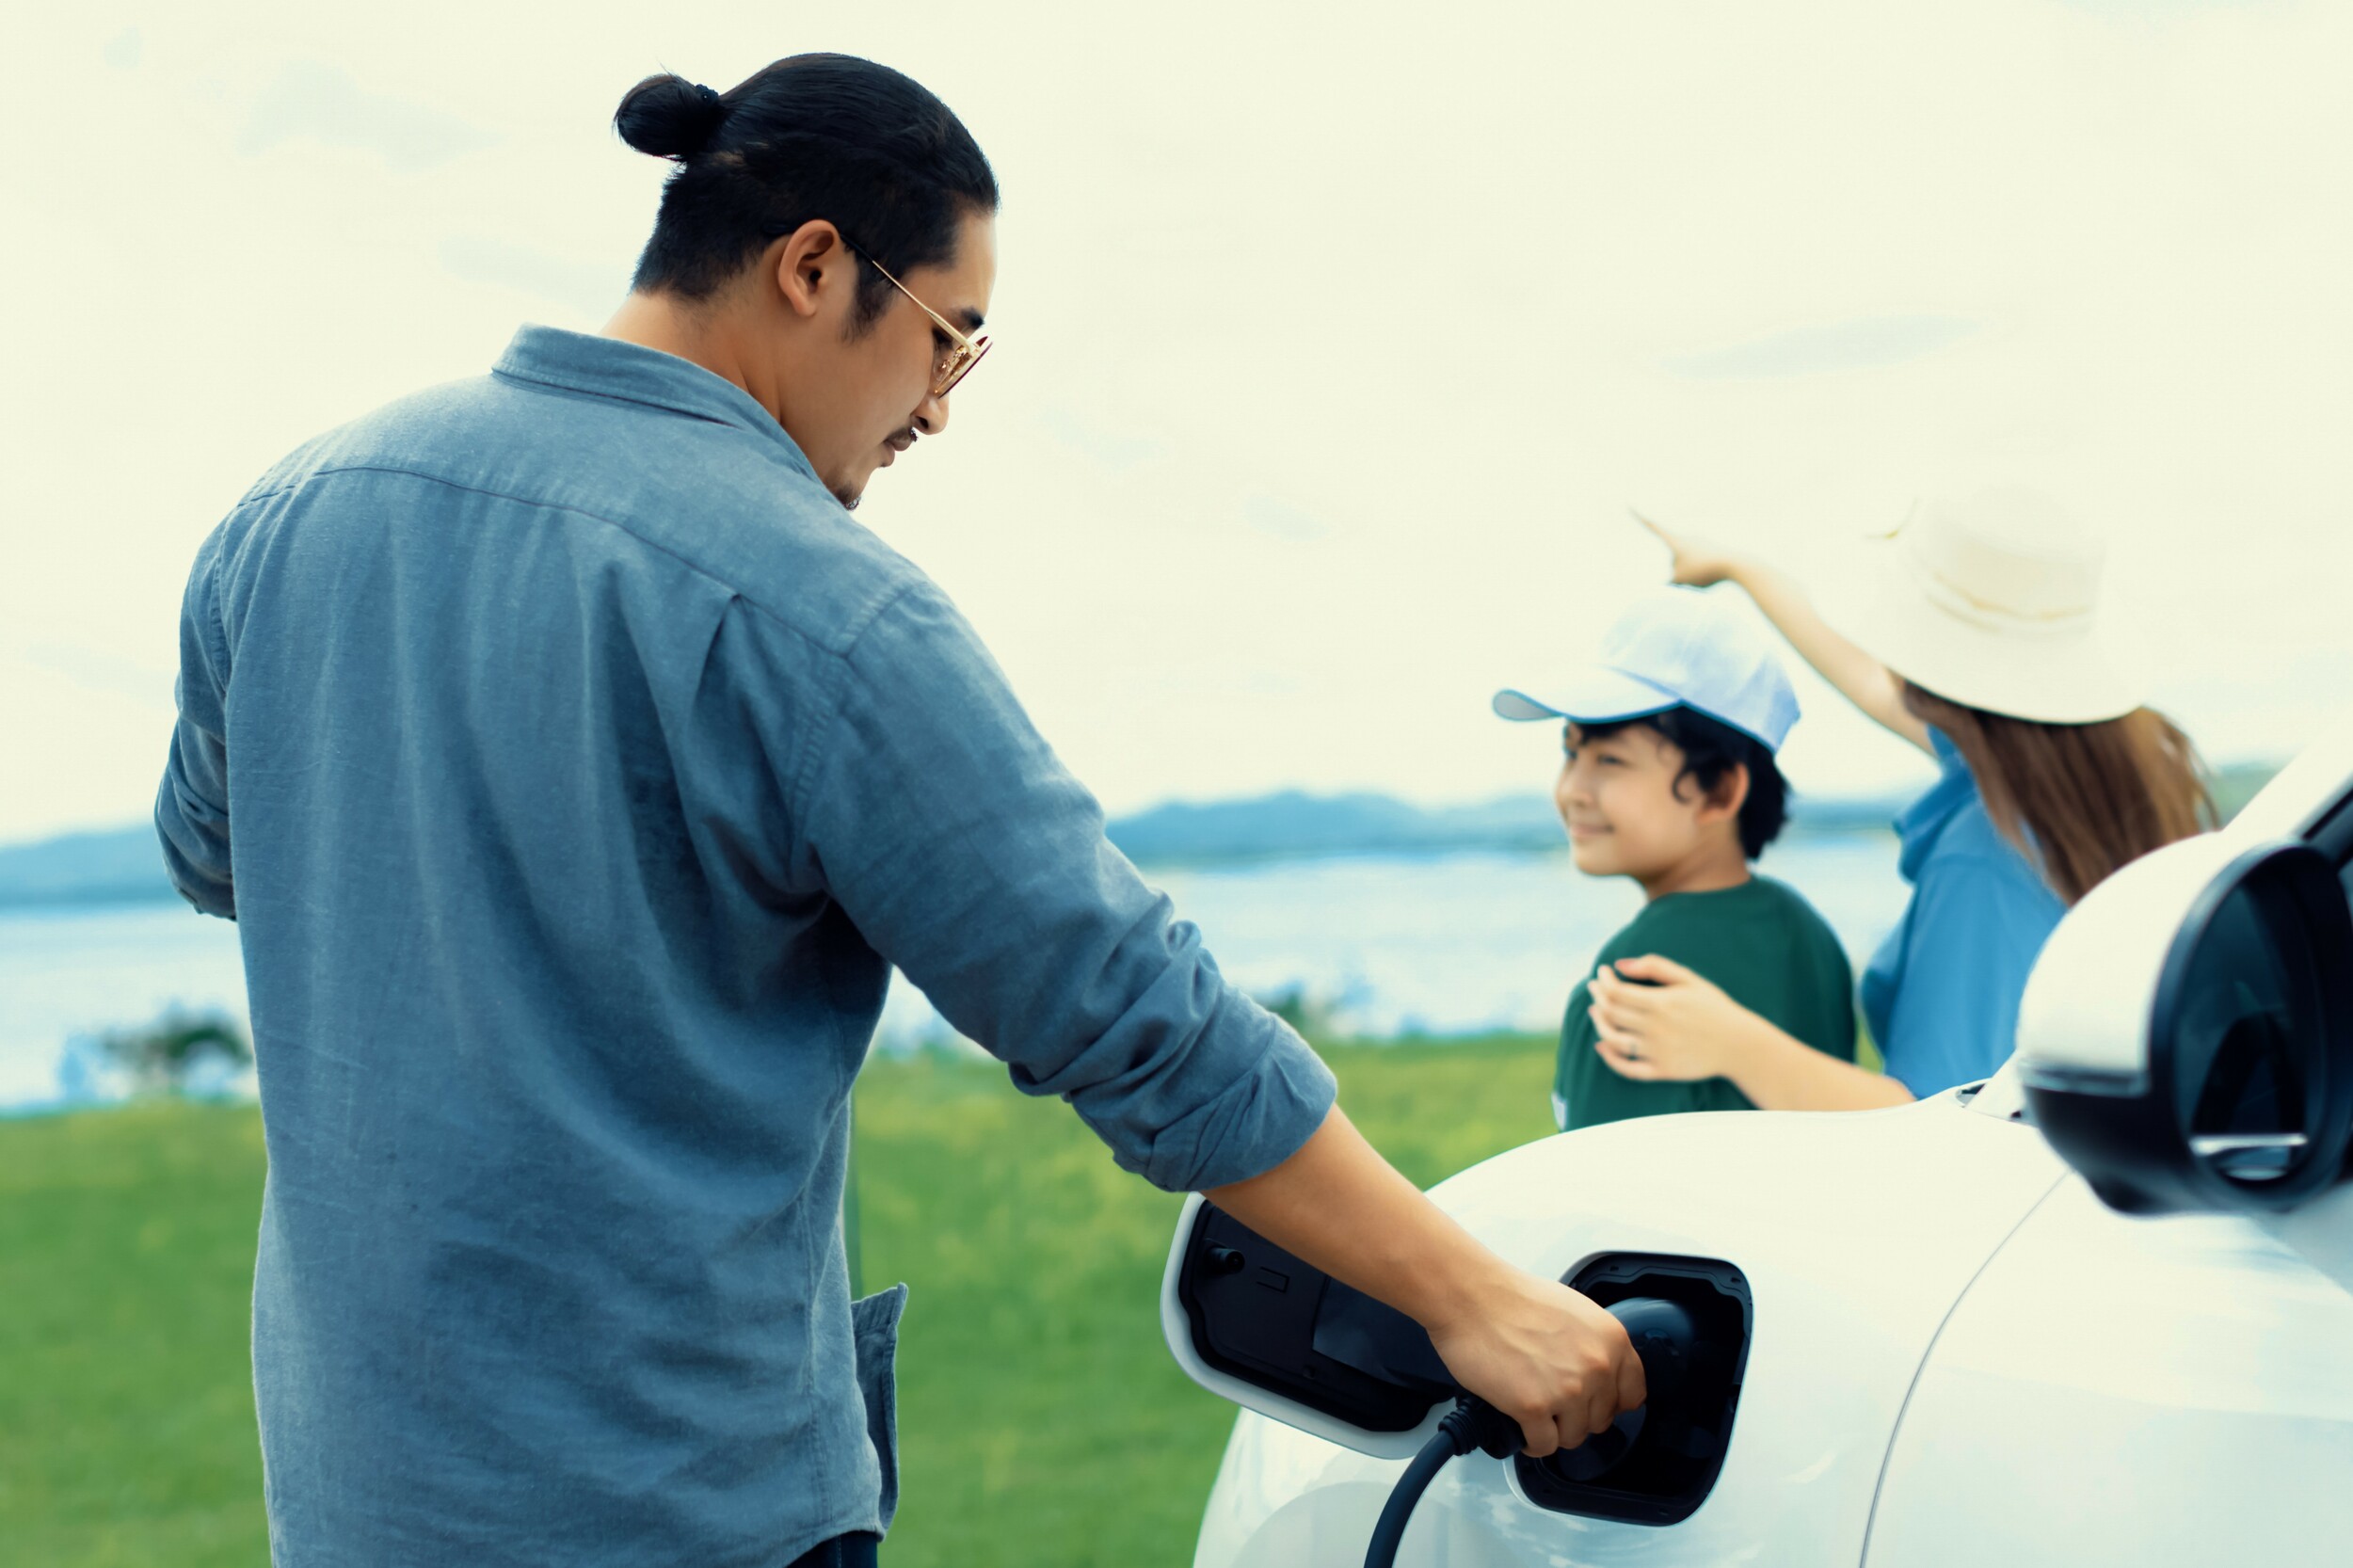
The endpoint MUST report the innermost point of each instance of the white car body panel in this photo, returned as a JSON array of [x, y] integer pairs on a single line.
[[2176, 1390], [1974, 1362], [1851, 1279]]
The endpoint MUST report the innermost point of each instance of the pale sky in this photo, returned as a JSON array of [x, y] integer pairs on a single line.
[[1332, 344]]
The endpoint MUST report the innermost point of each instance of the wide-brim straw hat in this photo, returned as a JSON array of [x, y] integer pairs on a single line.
[[1993, 602]]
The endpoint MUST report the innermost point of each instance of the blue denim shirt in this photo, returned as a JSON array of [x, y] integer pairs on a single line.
[[1941, 996], [575, 768]]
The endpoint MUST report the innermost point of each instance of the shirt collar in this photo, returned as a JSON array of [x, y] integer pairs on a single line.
[[631, 372], [1922, 821]]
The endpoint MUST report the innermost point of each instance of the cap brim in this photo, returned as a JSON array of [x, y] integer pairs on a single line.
[[1591, 697]]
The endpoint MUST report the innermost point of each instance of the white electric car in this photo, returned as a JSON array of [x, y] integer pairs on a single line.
[[2097, 1310]]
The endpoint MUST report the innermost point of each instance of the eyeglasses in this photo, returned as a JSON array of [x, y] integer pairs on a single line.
[[956, 360]]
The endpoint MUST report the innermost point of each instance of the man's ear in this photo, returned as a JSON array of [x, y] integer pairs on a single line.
[[1730, 794], [811, 266]]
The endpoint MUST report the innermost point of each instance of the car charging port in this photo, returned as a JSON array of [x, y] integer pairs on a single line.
[[1689, 1319], [1256, 1313]]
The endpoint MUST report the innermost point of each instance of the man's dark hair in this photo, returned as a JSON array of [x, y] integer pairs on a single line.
[[1711, 748], [813, 137]]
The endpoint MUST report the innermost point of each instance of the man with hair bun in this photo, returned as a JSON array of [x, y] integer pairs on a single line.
[[592, 767]]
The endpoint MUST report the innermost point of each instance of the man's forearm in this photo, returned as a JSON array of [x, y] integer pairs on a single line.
[[1339, 1206], [1546, 1357]]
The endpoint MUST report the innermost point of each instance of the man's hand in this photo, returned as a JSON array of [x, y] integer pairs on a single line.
[[1674, 1029], [1698, 563], [1544, 1356]]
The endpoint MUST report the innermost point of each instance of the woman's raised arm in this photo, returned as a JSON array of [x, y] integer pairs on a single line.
[[1863, 679]]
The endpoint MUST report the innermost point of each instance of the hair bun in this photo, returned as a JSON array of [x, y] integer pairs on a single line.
[[669, 116]]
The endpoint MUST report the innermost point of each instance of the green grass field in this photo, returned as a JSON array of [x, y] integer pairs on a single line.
[[1042, 1422]]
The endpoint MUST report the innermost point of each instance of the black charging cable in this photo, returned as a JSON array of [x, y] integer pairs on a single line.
[[1473, 1423], [1663, 1334]]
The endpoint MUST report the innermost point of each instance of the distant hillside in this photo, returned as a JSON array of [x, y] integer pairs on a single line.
[[124, 866], [121, 865], [1292, 823]]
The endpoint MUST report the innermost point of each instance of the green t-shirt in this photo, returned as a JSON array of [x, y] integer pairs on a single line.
[[1768, 950]]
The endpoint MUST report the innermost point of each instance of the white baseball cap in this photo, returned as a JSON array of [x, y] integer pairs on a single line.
[[1992, 601], [1680, 648]]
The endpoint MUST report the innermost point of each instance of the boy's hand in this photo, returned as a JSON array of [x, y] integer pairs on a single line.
[[1674, 1028], [1698, 563]]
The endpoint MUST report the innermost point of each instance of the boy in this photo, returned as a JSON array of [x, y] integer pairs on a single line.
[[1668, 778]]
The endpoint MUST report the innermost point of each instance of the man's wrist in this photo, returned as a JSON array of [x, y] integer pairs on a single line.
[[1456, 1289], [1444, 1275]]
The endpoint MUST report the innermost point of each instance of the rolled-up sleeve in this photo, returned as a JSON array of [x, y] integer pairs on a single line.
[[192, 804], [945, 827]]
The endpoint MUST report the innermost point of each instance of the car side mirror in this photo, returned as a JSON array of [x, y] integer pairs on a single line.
[[2186, 1039]]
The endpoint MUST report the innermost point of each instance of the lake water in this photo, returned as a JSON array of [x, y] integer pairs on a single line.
[[1441, 946]]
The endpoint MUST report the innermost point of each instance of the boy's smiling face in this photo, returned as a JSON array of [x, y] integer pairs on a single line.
[[1630, 815]]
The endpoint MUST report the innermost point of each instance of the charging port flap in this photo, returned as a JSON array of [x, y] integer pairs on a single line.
[[1255, 1312]]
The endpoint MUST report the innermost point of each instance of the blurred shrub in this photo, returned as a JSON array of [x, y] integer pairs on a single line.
[[1300, 1008], [185, 1051]]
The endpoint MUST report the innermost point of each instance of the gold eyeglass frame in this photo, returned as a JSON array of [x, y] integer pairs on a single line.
[[964, 354]]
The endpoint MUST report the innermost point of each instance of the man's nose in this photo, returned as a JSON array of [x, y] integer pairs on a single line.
[[931, 415]]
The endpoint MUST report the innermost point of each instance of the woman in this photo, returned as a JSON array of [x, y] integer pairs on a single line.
[[1975, 637]]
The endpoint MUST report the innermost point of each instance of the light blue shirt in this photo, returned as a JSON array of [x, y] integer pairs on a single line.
[[1941, 996], [575, 769]]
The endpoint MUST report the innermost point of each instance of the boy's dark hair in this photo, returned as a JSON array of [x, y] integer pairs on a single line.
[[1710, 750], [813, 137]]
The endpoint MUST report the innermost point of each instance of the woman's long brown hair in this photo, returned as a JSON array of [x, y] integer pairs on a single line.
[[2079, 800]]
